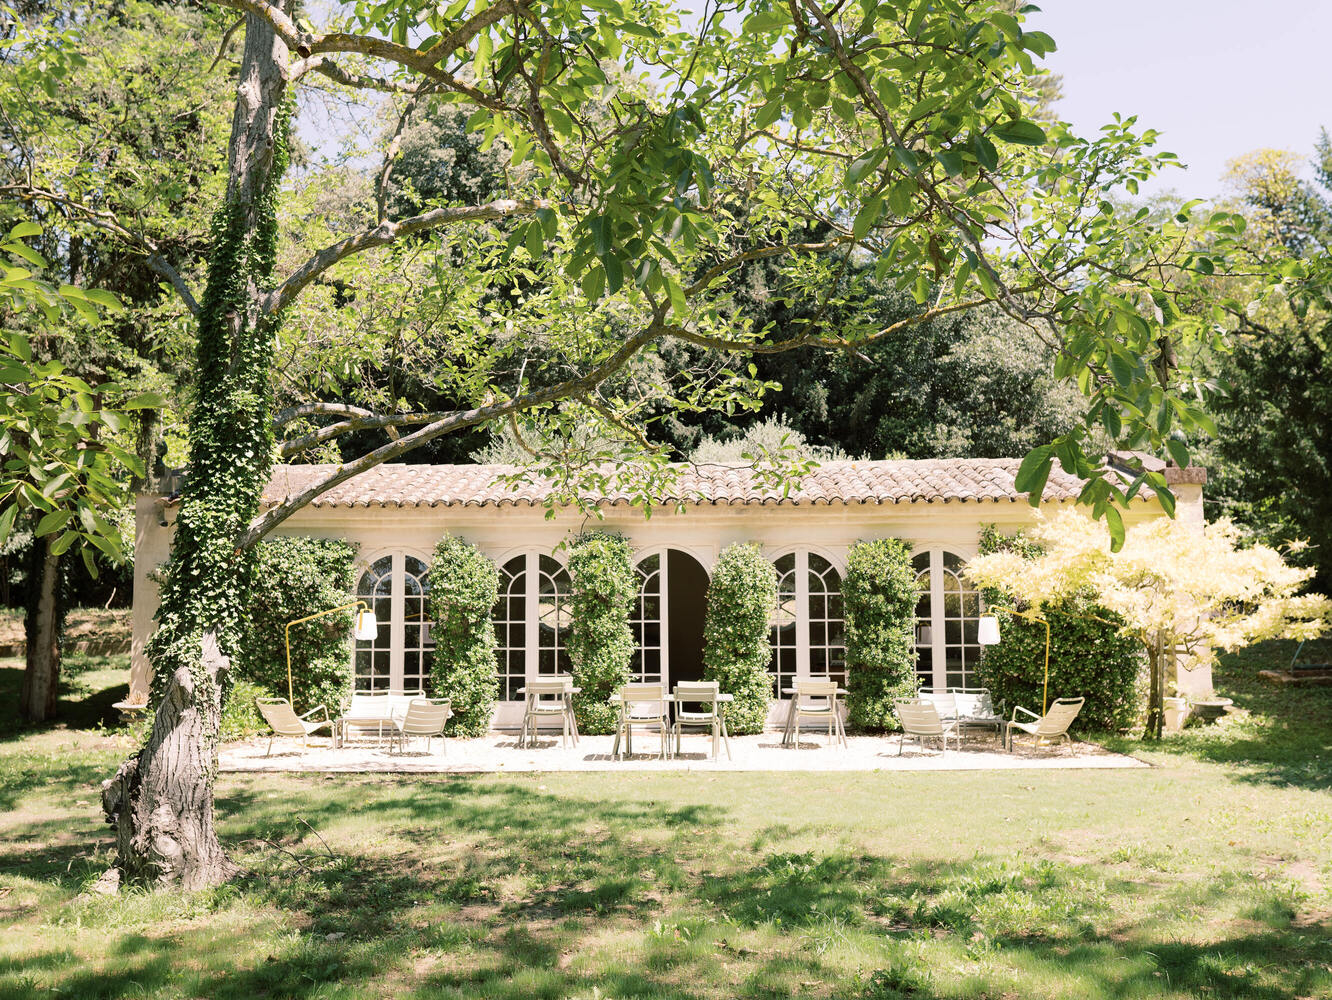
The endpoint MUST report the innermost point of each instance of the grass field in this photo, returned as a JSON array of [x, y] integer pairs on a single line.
[[1206, 876]]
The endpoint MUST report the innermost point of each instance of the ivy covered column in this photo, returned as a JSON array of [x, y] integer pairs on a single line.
[[161, 800], [736, 650], [601, 642]]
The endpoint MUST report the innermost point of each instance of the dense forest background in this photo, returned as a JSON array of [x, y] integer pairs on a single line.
[[974, 385]]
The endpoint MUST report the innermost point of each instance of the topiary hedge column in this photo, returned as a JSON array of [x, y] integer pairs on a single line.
[[879, 597], [736, 650], [601, 643], [464, 586]]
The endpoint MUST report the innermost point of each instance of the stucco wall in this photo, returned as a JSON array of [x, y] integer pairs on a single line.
[[701, 531]]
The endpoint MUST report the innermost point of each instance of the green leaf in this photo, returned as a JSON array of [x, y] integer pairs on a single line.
[[484, 49], [103, 298], [614, 273], [594, 283], [24, 230], [1033, 473], [868, 215], [1179, 451], [1115, 522], [678, 301], [863, 165], [145, 401], [7, 521], [53, 521], [63, 543], [950, 160], [1021, 132]]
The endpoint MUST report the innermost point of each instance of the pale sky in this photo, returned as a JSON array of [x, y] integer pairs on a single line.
[[1217, 77]]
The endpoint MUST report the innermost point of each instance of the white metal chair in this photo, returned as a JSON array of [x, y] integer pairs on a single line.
[[921, 720], [284, 721], [642, 706], [975, 707], [1051, 726], [944, 702], [816, 699], [424, 717], [548, 698], [377, 710], [713, 720]]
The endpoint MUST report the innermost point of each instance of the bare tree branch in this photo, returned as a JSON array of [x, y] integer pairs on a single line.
[[386, 233], [454, 421], [368, 422], [109, 222]]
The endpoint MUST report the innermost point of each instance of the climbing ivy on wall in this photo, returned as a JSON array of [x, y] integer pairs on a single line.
[[879, 597], [464, 585], [601, 643], [736, 650], [293, 578], [231, 436]]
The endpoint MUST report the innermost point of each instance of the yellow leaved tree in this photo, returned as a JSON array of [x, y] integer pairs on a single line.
[[1183, 592]]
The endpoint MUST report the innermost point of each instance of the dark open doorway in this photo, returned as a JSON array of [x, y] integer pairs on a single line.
[[686, 602]]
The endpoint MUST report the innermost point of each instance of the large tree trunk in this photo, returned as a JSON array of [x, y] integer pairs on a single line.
[[161, 801], [41, 677]]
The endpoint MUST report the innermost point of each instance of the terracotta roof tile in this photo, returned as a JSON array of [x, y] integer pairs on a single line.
[[943, 480]]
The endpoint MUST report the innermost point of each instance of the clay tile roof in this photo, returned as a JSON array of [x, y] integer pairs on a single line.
[[942, 480]]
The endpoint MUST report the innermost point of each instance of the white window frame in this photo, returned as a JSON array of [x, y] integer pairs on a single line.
[[663, 646], [397, 605], [938, 618], [802, 606], [532, 610]]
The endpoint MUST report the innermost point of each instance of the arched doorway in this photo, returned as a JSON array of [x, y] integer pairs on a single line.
[[668, 618]]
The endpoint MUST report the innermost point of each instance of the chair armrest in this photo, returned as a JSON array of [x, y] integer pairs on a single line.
[[317, 708], [1027, 711]]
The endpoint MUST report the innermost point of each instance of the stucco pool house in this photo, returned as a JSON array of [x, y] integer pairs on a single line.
[[396, 513]]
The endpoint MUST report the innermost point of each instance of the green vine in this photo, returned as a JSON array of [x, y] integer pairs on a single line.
[[601, 643], [231, 437], [736, 650], [879, 597], [463, 590]]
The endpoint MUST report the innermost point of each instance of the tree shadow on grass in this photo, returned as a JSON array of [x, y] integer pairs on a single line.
[[80, 705], [548, 895], [1280, 735]]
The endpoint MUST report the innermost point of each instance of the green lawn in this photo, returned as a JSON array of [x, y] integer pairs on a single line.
[[1206, 876]]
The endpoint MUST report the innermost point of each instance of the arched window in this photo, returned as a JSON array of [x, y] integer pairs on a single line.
[[947, 621], [510, 617], [399, 658], [374, 656], [531, 622], [646, 622], [552, 617], [808, 633]]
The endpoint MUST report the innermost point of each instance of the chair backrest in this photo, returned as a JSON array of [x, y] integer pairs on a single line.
[[548, 686], [697, 692], [918, 718], [280, 716], [944, 702], [974, 703], [426, 716], [1060, 716], [634, 695], [816, 688]]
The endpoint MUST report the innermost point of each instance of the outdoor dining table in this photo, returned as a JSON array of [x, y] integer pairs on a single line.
[[789, 735], [669, 699], [569, 692]]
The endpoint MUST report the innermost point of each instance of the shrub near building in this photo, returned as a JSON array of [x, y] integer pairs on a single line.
[[1090, 656], [736, 649], [464, 586], [879, 597], [294, 578], [601, 643]]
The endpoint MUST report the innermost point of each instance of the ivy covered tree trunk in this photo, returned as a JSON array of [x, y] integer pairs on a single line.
[[1156, 693], [41, 675], [161, 800]]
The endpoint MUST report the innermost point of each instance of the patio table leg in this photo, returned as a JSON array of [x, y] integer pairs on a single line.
[[788, 734]]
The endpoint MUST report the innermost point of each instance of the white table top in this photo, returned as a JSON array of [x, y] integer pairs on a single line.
[[671, 697]]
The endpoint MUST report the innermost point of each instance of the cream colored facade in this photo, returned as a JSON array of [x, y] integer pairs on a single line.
[[816, 535]]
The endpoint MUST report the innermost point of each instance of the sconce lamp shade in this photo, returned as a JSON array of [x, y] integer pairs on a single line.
[[367, 629], [988, 632]]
